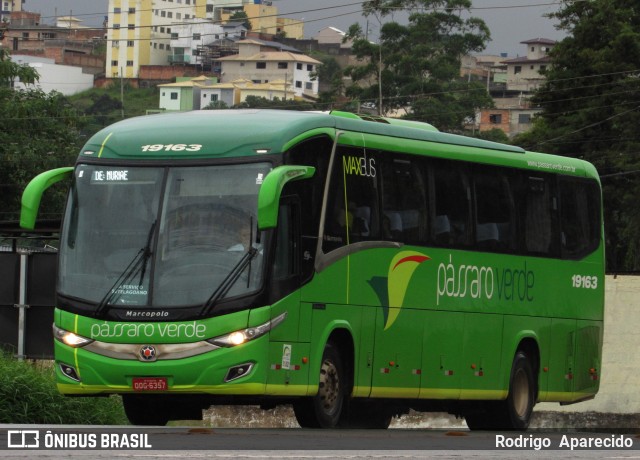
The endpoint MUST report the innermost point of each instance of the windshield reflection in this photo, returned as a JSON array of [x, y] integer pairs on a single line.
[[205, 217]]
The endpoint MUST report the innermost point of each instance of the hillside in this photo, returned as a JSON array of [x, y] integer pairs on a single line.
[[103, 106]]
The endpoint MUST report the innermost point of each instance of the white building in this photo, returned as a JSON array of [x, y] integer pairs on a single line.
[[260, 66], [69, 22], [65, 79], [190, 39], [333, 36], [523, 73], [139, 33]]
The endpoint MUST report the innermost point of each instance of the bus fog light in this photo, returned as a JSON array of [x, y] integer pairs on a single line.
[[236, 372], [69, 371]]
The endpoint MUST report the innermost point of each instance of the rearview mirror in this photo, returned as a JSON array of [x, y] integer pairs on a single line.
[[271, 189], [33, 194]]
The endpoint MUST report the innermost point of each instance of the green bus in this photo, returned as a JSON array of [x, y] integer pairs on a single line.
[[351, 266]]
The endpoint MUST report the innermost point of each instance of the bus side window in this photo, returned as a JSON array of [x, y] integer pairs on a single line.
[[539, 216], [451, 220], [404, 204], [495, 210], [352, 205], [579, 217], [335, 229]]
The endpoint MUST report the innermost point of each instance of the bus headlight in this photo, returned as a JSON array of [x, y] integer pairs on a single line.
[[69, 338], [239, 337]]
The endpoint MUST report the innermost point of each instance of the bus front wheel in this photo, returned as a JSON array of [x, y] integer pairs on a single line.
[[324, 409]]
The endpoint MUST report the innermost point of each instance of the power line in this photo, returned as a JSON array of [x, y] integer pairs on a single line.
[[342, 5], [588, 126], [282, 14]]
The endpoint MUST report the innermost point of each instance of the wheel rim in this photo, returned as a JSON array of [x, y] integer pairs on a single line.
[[521, 393], [329, 387]]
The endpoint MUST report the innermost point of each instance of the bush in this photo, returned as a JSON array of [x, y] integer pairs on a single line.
[[28, 394]]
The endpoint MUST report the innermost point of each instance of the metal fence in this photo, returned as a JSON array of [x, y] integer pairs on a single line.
[[28, 268]]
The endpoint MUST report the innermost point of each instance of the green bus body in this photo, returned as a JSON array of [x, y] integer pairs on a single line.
[[414, 309]]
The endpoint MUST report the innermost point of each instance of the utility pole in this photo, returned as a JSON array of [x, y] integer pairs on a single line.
[[121, 94], [380, 78], [488, 77]]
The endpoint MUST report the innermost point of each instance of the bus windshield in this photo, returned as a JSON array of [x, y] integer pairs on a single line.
[[160, 236]]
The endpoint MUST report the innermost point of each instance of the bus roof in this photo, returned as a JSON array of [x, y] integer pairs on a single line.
[[232, 133]]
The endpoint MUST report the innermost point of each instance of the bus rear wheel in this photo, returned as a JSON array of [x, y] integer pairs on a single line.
[[514, 413], [325, 408]]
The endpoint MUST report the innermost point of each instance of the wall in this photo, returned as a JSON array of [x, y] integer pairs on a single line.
[[64, 79], [166, 73], [485, 120]]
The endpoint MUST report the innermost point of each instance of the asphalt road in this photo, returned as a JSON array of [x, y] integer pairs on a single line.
[[19, 441]]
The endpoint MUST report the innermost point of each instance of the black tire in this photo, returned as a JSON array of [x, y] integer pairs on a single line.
[[522, 393], [514, 413], [142, 411], [325, 408]]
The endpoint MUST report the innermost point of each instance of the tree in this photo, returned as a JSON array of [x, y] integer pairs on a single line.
[[493, 135], [216, 105], [591, 110], [10, 71], [242, 17], [255, 102], [330, 75], [38, 132], [102, 109], [418, 64]]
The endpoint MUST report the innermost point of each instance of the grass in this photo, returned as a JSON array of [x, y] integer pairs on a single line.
[[28, 395]]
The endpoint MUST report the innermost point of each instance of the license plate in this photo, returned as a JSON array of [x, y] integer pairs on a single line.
[[149, 383]]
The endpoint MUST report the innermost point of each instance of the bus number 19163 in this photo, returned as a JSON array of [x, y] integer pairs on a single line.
[[585, 282], [171, 147]]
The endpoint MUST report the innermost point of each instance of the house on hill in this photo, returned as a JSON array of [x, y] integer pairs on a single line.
[[259, 66], [333, 36], [523, 73]]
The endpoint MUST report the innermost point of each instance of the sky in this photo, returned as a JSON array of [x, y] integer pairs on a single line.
[[510, 21]]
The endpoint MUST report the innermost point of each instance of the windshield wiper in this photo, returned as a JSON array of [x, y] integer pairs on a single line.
[[137, 264], [228, 281], [233, 275]]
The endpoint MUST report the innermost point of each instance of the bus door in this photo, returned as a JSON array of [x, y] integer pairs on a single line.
[[289, 347]]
